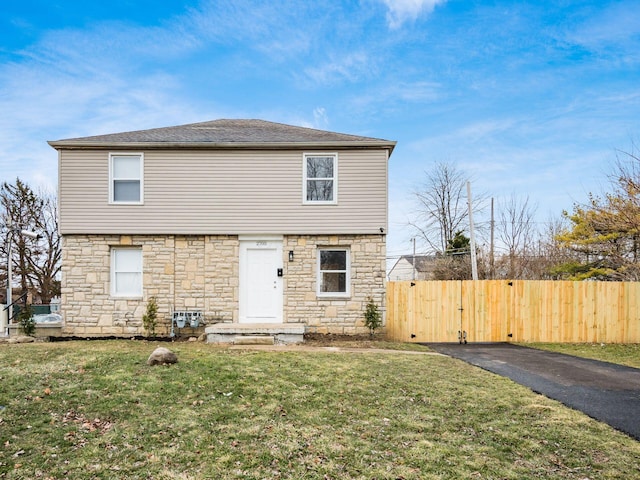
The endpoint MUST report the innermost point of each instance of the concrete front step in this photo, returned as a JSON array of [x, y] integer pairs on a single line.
[[248, 333], [254, 340]]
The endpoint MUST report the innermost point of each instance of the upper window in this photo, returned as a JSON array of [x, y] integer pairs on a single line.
[[333, 272], [125, 174], [320, 178], [126, 272]]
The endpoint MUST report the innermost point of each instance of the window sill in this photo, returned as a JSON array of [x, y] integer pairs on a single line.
[[333, 296], [127, 297]]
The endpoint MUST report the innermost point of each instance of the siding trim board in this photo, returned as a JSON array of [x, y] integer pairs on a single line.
[[64, 145]]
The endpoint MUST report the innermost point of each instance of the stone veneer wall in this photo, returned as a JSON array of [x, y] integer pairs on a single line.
[[333, 315], [182, 272], [200, 272]]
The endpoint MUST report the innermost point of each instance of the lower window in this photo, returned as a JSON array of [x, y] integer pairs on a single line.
[[126, 272], [333, 272]]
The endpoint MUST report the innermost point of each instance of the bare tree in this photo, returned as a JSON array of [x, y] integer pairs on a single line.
[[37, 261], [552, 254], [625, 199], [516, 230], [441, 206], [45, 263]]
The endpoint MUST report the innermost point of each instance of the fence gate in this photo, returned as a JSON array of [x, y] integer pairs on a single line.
[[425, 311], [449, 311]]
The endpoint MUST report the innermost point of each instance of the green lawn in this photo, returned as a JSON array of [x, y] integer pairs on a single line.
[[628, 354], [95, 410]]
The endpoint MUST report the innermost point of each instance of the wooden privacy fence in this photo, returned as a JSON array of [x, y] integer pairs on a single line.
[[513, 311]]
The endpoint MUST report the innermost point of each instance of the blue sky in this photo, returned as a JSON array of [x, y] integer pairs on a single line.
[[531, 98]]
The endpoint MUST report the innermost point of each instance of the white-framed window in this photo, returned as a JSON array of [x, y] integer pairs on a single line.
[[126, 272], [334, 273], [320, 174], [126, 178]]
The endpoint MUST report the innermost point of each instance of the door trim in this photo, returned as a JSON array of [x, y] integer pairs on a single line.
[[252, 237]]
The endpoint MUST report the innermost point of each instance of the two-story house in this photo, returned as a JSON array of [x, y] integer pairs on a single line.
[[247, 221]]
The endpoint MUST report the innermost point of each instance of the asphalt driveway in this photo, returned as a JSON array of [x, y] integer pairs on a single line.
[[605, 391]]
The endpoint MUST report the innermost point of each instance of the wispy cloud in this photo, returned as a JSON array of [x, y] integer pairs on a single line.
[[321, 120], [266, 27], [392, 96], [418, 92], [401, 11], [614, 24], [349, 67]]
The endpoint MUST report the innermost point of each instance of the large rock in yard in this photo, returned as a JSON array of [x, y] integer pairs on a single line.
[[162, 356], [22, 339]]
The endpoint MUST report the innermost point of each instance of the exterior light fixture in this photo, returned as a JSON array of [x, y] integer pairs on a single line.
[[291, 255]]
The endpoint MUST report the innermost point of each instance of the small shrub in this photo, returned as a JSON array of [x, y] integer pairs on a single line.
[[150, 318], [26, 322], [372, 316]]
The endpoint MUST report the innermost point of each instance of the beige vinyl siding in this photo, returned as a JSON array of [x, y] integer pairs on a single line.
[[223, 192]]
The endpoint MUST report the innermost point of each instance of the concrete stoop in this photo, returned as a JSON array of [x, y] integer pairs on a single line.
[[255, 333]]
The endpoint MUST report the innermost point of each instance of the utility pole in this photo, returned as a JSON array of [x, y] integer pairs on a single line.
[[474, 261], [9, 306], [414, 258]]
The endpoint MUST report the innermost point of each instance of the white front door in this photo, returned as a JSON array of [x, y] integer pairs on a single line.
[[260, 281]]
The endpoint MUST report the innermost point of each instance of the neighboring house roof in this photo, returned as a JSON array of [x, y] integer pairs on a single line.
[[226, 134], [403, 268], [424, 263]]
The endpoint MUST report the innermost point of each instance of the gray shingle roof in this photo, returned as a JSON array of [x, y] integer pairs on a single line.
[[423, 263], [225, 133]]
